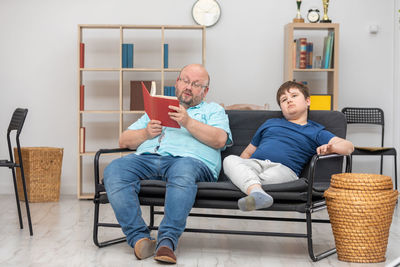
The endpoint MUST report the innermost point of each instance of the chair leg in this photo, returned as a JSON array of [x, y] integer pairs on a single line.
[[96, 224], [28, 212], [381, 169], [151, 223], [21, 225], [310, 242]]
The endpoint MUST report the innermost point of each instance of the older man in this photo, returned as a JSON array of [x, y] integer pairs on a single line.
[[180, 156]]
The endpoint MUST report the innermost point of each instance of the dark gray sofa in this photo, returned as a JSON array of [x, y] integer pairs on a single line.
[[304, 195]]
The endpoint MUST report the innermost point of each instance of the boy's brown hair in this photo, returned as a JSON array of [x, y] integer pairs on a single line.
[[291, 84]]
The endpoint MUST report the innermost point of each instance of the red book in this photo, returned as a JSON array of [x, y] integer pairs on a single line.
[[303, 53], [156, 107], [82, 98], [82, 55]]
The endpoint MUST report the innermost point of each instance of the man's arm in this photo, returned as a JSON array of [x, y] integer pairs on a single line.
[[248, 151], [133, 138], [207, 134], [336, 145]]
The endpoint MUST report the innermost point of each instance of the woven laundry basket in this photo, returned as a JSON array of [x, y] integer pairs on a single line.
[[42, 169], [360, 208]]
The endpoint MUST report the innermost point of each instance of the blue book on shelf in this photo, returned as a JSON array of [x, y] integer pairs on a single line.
[[124, 56], [324, 54], [165, 90], [172, 90], [165, 56], [328, 52], [130, 55], [332, 34]]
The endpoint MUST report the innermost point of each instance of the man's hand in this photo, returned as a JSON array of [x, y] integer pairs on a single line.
[[153, 129], [180, 116], [325, 149]]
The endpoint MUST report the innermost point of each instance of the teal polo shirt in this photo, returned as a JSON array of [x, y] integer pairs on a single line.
[[179, 142]]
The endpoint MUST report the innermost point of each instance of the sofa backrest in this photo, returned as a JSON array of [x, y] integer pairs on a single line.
[[244, 124]]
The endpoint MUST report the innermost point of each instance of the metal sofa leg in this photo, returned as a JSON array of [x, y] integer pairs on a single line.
[[310, 242], [96, 225]]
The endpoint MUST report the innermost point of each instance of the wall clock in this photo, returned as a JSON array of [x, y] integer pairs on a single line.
[[206, 12]]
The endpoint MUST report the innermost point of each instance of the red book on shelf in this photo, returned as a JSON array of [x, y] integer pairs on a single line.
[[82, 98], [157, 108], [82, 133], [303, 53], [82, 55]]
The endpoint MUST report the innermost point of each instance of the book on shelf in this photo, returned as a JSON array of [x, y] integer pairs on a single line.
[[82, 98], [321, 102], [328, 51], [330, 48], [303, 53], [127, 55], [82, 55], [165, 56], [130, 55], [157, 108], [294, 56], [137, 94], [169, 90], [309, 61], [82, 139]]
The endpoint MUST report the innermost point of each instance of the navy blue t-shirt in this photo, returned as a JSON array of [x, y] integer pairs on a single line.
[[290, 144]]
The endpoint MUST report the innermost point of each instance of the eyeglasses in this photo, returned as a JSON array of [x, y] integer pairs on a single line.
[[193, 84]]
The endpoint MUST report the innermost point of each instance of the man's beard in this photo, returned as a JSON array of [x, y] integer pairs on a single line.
[[193, 101]]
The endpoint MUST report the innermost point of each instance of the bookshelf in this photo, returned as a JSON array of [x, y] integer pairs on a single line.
[[106, 94], [322, 81]]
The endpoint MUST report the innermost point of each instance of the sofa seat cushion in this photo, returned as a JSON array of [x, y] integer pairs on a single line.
[[295, 190]]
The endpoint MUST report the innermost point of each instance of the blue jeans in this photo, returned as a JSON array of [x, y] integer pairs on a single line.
[[122, 181]]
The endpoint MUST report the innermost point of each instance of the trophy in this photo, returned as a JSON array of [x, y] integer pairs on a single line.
[[298, 17], [325, 18]]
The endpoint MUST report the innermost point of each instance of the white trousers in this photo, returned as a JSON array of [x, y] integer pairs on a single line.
[[246, 172]]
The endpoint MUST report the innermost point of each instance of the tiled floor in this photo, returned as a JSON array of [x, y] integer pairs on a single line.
[[63, 237]]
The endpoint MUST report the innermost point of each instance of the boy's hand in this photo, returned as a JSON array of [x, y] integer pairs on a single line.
[[153, 129], [325, 149]]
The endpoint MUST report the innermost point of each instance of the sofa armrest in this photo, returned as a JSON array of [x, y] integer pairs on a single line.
[[313, 165], [97, 168]]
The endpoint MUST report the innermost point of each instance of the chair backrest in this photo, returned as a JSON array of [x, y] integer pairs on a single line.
[[366, 116], [17, 120], [16, 124]]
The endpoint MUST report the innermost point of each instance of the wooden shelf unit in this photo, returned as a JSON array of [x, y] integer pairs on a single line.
[[121, 112], [332, 80]]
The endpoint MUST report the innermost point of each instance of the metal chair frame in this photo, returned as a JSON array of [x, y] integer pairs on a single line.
[[373, 116], [16, 124]]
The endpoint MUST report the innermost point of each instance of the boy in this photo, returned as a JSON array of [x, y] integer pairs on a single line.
[[280, 148]]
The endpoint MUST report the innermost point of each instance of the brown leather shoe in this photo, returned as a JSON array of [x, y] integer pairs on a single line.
[[144, 248], [165, 254]]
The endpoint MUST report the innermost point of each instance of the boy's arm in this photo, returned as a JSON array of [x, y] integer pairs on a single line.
[[336, 145], [249, 150]]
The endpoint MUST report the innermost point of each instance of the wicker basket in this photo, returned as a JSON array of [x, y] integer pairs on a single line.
[[42, 168], [360, 208]]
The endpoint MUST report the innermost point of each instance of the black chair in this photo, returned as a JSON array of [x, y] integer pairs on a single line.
[[371, 116], [16, 124]]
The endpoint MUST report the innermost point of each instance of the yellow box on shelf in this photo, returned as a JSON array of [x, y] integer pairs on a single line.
[[321, 102]]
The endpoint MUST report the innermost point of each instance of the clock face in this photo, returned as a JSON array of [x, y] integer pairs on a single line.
[[206, 12], [313, 15]]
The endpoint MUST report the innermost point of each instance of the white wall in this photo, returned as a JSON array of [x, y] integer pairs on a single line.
[[38, 59]]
